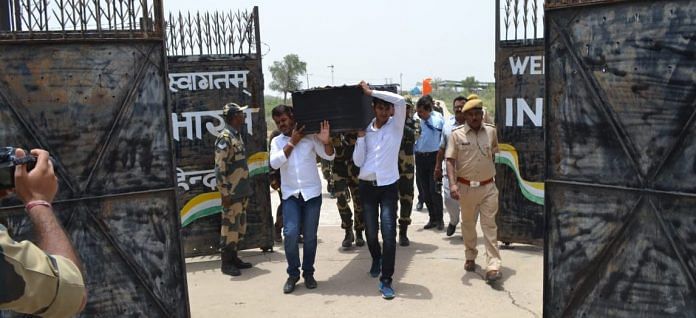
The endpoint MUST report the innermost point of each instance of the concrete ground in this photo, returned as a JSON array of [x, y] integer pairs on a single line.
[[429, 279]]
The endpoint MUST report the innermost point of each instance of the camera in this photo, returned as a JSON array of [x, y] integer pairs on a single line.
[[8, 161]]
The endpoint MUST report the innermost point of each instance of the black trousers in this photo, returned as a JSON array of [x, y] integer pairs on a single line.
[[431, 190]]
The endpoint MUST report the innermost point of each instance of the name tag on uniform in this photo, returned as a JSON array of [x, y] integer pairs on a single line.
[[465, 143]]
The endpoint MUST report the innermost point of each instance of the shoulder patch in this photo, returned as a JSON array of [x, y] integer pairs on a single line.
[[489, 125], [458, 127], [222, 144]]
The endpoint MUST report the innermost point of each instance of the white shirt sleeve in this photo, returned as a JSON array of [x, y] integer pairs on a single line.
[[399, 108], [319, 149], [359, 152], [277, 155]]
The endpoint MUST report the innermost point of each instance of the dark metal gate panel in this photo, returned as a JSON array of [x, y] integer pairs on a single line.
[[620, 149], [201, 81], [97, 101], [519, 81]]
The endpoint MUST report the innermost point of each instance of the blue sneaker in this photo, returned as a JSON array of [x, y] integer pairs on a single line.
[[386, 290], [376, 267]]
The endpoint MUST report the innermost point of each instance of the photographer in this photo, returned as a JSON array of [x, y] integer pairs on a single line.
[[42, 279]]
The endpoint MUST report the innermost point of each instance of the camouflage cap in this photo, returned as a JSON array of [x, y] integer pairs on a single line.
[[471, 104], [232, 108], [409, 101]]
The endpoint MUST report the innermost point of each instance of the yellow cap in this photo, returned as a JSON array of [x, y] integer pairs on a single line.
[[472, 96], [471, 104]]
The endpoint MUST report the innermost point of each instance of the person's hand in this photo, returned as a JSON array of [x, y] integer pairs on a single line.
[[454, 191], [437, 175], [361, 133], [275, 184], [297, 134], [39, 184], [323, 134], [366, 89]]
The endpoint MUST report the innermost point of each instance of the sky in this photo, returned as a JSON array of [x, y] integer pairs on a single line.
[[376, 41]]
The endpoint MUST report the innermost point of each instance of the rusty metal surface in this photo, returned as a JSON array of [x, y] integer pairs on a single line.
[[621, 149], [521, 215], [82, 20], [562, 4], [101, 110], [196, 105]]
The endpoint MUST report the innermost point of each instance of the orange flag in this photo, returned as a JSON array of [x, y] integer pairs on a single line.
[[427, 87]]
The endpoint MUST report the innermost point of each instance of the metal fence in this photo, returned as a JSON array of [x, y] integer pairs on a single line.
[[520, 19], [211, 33], [83, 19]]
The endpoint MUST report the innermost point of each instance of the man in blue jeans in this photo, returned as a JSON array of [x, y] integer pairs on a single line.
[[294, 155], [376, 153]]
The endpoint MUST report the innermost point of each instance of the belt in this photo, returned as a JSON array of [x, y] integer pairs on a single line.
[[474, 184], [370, 182], [426, 153]]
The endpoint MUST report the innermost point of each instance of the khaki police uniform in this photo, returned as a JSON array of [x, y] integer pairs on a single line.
[[232, 175], [474, 153], [36, 283]]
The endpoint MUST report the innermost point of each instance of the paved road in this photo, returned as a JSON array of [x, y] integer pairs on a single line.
[[430, 280]]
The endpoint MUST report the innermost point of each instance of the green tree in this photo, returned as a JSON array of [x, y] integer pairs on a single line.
[[286, 74], [470, 83]]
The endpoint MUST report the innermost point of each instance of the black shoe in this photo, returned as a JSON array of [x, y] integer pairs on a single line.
[[230, 269], [376, 267], [241, 264], [419, 206], [289, 286], [403, 238], [430, 225], [440, 225], [278, 236], [310, 282], [359, 241], [348, 239], [450, 229]]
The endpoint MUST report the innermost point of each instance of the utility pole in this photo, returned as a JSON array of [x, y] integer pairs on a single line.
[[401, 82], [332, 73], [307, 74]]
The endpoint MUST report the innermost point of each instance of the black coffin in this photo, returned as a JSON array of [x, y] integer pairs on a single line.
[[345, 107]]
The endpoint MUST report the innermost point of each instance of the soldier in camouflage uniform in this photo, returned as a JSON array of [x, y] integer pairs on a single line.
[[406, 171], [232, 175], [345, 183], [41, 279], [326, 172]]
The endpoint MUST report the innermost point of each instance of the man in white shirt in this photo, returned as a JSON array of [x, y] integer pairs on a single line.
[[376, 153], [294, 155], [454, 121]]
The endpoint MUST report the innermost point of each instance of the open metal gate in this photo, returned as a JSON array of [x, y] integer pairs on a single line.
[[621, 159], [86, 81], [215, 58], [519, 90]]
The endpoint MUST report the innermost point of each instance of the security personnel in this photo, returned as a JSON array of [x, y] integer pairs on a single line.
[[470, 154], [43, 279], [345, 184], [326, 171], [232, 175], [406, 171]]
